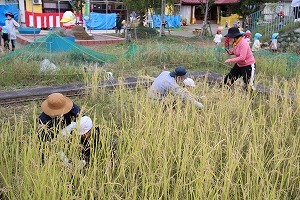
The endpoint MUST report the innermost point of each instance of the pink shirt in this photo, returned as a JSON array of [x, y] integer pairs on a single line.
[[243, 53]]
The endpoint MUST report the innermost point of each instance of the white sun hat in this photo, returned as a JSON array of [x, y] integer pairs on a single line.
[[189, 82], [85, 125]]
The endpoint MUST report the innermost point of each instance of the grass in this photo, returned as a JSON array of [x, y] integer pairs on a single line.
[[238, 147], [147, 58], [267, 30]]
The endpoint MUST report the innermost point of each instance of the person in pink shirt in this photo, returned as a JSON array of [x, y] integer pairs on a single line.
[[244, 60]]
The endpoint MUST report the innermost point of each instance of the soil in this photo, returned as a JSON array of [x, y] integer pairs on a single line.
[[81, 34]]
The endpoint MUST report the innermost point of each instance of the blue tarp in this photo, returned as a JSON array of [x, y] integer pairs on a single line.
[[99, 21], [173, 21], [13, 8]]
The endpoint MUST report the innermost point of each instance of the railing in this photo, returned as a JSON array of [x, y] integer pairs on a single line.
[[268, 22]]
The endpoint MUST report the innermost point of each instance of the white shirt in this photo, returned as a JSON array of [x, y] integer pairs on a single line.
[[218, 38], [295, 3], [165, 84], [11, 26], [256, 45]]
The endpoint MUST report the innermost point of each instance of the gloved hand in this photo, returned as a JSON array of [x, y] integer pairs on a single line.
[[66, 131], [64, 158], [81, 164], [199, 105]]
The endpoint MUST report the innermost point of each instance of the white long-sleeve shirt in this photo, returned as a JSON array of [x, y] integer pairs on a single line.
[[218, 38], [11, 26], [295, 3], [165, 84], [256, 45]]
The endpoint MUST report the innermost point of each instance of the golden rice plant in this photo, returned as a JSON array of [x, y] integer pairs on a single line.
[[239, 146]]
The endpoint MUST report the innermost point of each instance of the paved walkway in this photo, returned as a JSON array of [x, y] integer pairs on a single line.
[[188, 30]]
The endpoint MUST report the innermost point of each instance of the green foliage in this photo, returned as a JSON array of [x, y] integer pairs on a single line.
[[146, 32], [247, 7], [143, 57], [143, 5]]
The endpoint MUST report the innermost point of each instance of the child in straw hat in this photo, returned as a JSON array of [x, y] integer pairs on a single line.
[[58, 112]]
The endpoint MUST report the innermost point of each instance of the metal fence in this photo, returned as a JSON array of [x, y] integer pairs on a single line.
[[271, 19]]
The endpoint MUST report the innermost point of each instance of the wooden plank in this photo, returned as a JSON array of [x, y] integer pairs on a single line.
[[32, 94]]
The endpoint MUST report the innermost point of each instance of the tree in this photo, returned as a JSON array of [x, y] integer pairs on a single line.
[[246, 7], [77, 5], [142, 6], [207, 5]]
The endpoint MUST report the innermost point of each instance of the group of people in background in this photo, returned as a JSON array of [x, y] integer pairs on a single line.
[[257, 44], [9, 32]]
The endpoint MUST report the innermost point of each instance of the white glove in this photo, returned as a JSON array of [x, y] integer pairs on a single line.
[[81, 164], [66, 131], [64, 158], [199, 105]]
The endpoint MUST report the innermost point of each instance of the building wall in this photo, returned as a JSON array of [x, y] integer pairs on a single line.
[[188, 12], [37, 8], [271, 10]]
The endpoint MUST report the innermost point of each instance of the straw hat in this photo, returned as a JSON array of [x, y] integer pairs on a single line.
[[56, 104]]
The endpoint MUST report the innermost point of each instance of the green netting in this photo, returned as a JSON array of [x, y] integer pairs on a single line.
[[57, 49], [24, 65], [291, 60]]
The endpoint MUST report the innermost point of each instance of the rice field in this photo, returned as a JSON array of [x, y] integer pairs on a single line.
[[239, 146]]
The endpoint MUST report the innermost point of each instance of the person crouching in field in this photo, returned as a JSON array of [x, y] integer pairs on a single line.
[[89, 141], [257, 44], [58, 113], [273, 45], [244, 60], [166, 83]]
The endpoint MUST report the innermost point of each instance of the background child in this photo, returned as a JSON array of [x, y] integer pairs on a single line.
[[247, 37], [257, 44], [218, 37], [226, 43], [1, 49], [5, 38], [273, 45]]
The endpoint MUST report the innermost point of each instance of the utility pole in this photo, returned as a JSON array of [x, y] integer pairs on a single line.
[[32, 7], [162, 18], [126, 27]]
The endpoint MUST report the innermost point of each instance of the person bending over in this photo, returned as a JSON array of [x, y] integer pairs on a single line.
[[166, 83]]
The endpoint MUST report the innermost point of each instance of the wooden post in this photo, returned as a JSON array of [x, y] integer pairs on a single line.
[[204, 28], [162, 19]]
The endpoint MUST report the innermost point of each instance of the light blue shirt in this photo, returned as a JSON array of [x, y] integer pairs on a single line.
[[164, 84]]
